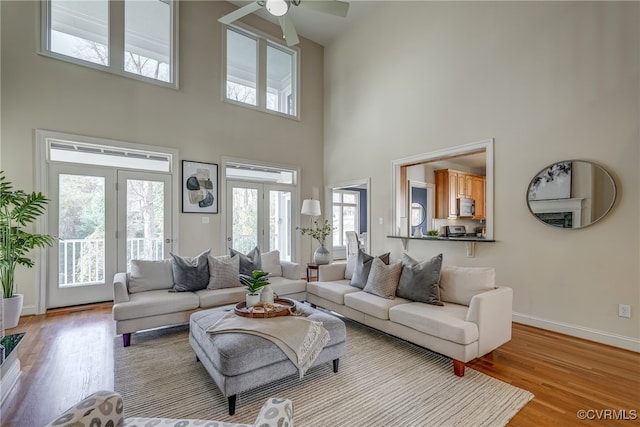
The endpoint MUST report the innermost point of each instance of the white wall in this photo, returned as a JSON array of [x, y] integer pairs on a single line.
[[549, 81], [40, 92]]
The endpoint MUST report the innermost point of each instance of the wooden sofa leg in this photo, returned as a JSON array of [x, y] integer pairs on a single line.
[[458, 367], [126, 339]]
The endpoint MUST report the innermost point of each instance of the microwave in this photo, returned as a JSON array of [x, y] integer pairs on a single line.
[[466, 207]]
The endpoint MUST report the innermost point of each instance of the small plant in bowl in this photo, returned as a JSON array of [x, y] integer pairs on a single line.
[[433, 233], [253, 284], [478, 231]]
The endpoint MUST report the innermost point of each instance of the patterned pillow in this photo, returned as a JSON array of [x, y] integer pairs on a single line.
[[419, 280], [383, 279], [190, 274], [362, 268], [248, 262], [223, 272]]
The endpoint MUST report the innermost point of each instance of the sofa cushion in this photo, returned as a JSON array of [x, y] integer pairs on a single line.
[[150, 275], [371, 304], [224, 272], [271, 263], [363, 267], [284, 286], [217, 297], [446, 322], [383, 279], [419, 280], [190, 273], [459, 284], [332, 291], [248, 262], [154, 303]]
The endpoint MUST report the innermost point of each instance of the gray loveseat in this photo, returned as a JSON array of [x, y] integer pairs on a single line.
[[143, 298], [473, 320]]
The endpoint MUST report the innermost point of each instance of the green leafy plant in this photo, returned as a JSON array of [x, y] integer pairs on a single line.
[[433, 233], [17, 210], [319, 232], [255, 282]]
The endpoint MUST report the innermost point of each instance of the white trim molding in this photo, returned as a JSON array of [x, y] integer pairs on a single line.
[[620, 341]]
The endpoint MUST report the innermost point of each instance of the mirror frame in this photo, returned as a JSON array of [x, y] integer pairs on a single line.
[[596, 165]]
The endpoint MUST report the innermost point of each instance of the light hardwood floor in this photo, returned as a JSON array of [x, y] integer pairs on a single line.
[[68, 354]]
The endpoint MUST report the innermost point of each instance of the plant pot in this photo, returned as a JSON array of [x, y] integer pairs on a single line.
[[11, 309], [322, 256], [252, 300]]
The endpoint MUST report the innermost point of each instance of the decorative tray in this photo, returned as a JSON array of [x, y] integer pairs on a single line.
[[280, 307]]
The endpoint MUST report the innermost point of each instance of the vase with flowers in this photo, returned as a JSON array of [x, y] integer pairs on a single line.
[[320, 232]]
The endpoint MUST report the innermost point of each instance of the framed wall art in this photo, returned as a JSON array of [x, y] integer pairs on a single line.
[[553, 182], [199, 187]]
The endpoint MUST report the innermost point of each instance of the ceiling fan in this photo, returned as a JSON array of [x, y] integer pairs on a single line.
[[279, 9]]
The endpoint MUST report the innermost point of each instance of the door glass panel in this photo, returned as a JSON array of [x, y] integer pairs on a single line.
[[280, 223], [244, 208], [81, 230], [145, 220]]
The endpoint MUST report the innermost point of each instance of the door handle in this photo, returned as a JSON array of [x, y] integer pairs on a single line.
[[228, 239], [167, 240]]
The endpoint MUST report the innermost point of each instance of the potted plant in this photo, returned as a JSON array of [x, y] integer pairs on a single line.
[[320, 233], [254, 284], [478, 231], [17, 210]]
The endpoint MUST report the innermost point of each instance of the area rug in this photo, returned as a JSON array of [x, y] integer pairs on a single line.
[[382, 381]]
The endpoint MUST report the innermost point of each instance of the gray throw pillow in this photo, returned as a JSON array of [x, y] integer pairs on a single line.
[[190, 274], [363, 267], [248, 262], [419, 281]]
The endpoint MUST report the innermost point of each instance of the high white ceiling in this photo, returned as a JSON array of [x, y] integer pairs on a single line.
[[319, 27]]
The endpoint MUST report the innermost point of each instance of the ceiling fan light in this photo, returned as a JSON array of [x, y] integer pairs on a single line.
[[277, 7]]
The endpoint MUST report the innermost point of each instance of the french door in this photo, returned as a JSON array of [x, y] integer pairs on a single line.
[[103, 217], [259, 215]]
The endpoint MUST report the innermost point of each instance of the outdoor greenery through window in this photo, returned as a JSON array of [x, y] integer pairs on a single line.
[[275, 88], [80, 31]]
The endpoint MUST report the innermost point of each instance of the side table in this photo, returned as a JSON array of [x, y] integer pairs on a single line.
[[311, 266]]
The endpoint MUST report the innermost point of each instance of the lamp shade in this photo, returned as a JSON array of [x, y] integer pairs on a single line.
[[311, 207]]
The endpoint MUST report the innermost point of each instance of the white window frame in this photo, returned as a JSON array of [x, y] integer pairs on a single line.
[[115, 45], [342, 204], [263, 40], [42, 173]]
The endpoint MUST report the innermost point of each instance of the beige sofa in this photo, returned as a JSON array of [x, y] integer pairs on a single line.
[[142, 298], [106, 408], [475, 317]]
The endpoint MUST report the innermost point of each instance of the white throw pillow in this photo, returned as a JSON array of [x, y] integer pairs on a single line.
[[459, 284], [271, 263], [223, 272], [150, 275]]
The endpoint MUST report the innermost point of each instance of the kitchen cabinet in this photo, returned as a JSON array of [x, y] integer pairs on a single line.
[[451, 184]]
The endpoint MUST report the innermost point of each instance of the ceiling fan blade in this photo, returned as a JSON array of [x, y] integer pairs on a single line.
[[240, 13], [289, 30], [333, 7]]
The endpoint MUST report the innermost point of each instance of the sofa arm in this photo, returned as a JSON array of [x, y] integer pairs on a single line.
[[290, 270], [120, 290], [331, 272], [275, 412], [102, 408], [492, 312]]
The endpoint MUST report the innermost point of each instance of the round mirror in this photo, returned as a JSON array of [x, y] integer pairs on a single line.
[[571, 194], [417, 214]]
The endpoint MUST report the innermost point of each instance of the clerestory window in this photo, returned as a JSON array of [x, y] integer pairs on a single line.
[[134, 38], [260, 72]]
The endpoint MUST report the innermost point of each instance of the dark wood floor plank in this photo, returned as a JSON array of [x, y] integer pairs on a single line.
[[68, 354]]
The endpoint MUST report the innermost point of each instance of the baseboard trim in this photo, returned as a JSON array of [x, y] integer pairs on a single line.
[[621, 341], [28, 310]]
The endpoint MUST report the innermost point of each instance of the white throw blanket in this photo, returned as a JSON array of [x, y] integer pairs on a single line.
[[301, 339]]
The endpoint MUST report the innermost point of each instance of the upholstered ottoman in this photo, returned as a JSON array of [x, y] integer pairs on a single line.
[[238, 362]]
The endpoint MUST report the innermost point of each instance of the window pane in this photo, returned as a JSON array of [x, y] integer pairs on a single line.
[[350, 198], [280, 81], [242, 67], [80, 29], [145, 220], [245, 219], [147, 38], [81, 230], [280, 223], [337, 223]]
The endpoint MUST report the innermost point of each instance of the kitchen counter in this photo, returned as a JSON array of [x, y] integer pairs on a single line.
[[470, 241]]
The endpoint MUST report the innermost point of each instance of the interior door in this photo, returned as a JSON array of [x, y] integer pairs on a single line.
[[144, 217], [82, 264]]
